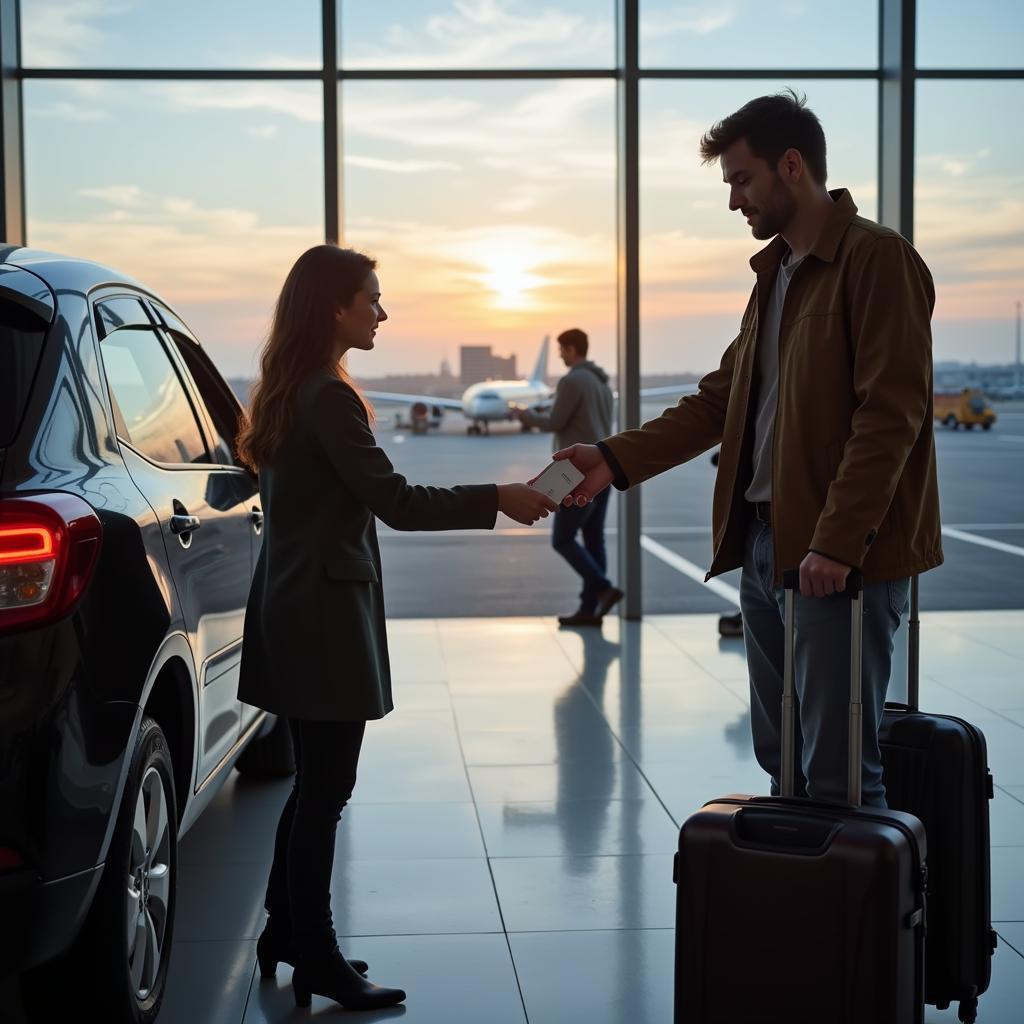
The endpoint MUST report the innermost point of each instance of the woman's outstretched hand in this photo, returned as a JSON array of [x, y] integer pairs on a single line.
[[597, 474], [523, 504]]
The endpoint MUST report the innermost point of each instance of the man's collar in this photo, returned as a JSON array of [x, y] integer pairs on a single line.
[[844, 209]]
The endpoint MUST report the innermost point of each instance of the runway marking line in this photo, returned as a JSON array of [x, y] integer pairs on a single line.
[[983, 542], [689, 569]]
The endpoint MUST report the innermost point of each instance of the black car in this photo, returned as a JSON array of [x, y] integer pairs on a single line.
[[128, 533]]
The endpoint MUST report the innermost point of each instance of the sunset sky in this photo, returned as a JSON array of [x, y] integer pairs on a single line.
[[491, 205]]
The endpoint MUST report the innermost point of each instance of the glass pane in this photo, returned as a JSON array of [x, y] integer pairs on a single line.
[[21, 345], [969, 224], [183, 34], [695, 281], [984, 34], [211, 192], [478, 34], [491, 209], [154, 409], [751, 34], [122, 312]]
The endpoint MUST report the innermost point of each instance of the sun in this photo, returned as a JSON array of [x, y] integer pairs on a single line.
[[508, 273]]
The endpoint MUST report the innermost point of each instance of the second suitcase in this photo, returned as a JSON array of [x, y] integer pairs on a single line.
[[936, 767]]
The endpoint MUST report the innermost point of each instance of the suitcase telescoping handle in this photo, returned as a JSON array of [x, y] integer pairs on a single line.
[[914, 648], [854, 590]]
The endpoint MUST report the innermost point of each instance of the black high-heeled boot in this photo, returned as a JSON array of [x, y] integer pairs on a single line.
[[332, 976], [272, 948]]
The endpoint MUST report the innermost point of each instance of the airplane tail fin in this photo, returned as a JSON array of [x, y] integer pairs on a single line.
[[540, 371]]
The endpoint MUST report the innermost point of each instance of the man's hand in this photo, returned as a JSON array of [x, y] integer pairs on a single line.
[[821, 576], [597, 474], [523, 504]]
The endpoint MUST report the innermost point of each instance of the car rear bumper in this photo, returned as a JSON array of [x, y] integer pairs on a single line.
[[41, 919]]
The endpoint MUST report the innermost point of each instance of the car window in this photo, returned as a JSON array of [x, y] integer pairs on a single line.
[[152, 409], [21, 344], [216, 396], [121, 311]]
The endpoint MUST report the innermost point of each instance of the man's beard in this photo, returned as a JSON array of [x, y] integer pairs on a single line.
[[775, 212]]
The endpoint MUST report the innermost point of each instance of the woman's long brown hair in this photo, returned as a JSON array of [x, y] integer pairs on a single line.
[[301, 342]]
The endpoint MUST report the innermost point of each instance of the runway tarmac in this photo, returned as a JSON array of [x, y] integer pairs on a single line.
[[513, 571]]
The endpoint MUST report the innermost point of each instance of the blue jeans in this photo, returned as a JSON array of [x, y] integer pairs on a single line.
[[589, 559], [822, 675]]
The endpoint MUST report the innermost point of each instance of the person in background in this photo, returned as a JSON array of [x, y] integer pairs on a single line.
[[314, 647], [581, 413]]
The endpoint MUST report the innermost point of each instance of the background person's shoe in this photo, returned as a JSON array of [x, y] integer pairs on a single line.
[[579, 619], [730, 625], [607, 600]]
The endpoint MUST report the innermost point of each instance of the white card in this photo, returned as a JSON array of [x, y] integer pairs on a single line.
[[558, 480]]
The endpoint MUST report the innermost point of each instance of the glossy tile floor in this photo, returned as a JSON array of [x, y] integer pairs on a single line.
[[508, 853]]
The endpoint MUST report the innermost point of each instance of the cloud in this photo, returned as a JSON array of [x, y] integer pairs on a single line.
[[372, 163], [262, 131], [302, 104], [687, 19], [489, 33], [63, 33], [220, 268], [117, 195]]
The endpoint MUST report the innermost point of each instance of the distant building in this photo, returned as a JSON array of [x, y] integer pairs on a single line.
[[995, 378], [478, 362]]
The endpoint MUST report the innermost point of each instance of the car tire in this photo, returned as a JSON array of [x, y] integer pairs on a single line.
[[951, 422], [118, 965], [270, 756], [986, 426], [969, 426]]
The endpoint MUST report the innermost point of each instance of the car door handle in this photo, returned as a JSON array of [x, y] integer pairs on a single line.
[[184, 524], [256, 518]]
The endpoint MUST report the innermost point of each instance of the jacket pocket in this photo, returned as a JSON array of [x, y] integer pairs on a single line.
[[348, 568]]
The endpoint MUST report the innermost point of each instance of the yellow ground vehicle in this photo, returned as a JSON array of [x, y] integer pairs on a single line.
[[967, 407]]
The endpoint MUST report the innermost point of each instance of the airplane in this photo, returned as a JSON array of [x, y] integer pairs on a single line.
[[494, 401]]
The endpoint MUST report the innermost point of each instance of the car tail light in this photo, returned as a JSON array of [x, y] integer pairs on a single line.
[[49, 544]]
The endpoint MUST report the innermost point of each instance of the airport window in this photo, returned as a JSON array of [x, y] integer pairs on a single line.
[[219, 192], [478, 161], [752, 34], [969, 220], [185, 34], [440, 34], [952, 34], [153, 406]]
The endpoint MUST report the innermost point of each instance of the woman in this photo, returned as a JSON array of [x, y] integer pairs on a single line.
[[315, 649]]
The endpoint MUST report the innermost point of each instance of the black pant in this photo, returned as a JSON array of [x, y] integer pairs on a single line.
[[299, 890], [589, 559]]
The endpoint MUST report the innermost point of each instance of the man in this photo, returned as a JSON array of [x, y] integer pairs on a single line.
[[823, 407], [582, 412]]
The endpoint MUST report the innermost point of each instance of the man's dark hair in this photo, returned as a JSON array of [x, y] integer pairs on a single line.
[[771, 125], [575, 337]]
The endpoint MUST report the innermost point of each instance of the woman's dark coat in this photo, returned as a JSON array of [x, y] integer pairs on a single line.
[[315, 643]]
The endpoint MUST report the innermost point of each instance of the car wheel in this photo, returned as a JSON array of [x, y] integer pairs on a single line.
[[270, 756], [118, 965], [950, 422], [969, 426], [986, 426]]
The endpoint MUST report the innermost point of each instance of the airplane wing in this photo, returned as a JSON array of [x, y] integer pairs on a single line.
[[390, 396], [667, 389]]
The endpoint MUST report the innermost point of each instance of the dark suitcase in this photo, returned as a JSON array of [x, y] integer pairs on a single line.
[[792, 911], [936, 768]]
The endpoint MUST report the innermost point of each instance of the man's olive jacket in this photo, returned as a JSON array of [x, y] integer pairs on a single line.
[[853, 457]]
